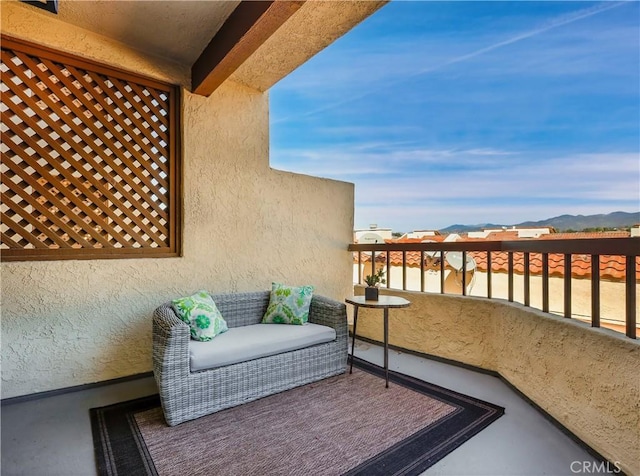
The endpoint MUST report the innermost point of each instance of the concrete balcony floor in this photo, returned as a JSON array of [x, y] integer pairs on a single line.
[[52, 436]]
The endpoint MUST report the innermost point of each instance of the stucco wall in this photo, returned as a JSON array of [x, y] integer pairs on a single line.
[[585, 378], [67, 323]]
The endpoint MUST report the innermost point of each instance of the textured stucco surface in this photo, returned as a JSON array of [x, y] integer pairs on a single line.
[[312, 28], [28, 23], [67, 323], [186, 26], [585, 378]]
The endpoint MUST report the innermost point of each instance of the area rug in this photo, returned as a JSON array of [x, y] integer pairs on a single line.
[[349, 424]]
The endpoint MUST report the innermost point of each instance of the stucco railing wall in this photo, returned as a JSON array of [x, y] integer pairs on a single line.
[[585, 378]]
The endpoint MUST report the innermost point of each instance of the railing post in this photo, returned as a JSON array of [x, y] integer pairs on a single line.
[[442, 272], [510, 276], [464, 273], [545, 282], [630, 296], [527, 283], [489, 274], [388, 269], [421, 271], [567, 285], [359, 267], [373, 263], [404, 270], [595, 290]]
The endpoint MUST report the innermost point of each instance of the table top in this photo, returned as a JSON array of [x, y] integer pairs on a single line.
[[384, 301]]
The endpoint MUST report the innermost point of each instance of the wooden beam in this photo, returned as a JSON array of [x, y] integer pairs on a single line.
[[246, 29], [48, 5]]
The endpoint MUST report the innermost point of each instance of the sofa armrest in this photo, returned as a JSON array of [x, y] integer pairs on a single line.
[[331, 313], [170, 346]]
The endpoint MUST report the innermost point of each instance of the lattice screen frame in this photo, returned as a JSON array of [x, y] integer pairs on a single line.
[[90, 159]]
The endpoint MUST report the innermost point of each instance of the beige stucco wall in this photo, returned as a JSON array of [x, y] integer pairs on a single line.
[[67, 323], [585, 378]]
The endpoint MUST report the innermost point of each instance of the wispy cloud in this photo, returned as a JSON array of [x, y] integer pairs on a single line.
[[388, 158], [495, 183], [549, 25], [400, 76], [584, 177]]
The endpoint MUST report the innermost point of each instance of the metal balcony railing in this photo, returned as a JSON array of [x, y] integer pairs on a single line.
[[433, 255]]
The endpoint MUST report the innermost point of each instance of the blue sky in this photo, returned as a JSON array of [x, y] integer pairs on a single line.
[[471, 112]]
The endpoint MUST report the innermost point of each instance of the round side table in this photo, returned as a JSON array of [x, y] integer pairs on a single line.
[[384, 302]]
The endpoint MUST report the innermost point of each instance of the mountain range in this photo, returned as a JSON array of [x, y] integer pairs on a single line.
[[562, 223]]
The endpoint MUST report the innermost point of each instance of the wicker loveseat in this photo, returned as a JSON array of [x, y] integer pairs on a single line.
[[187, 394]]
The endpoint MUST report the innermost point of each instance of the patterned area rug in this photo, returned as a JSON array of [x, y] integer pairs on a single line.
[[349, 424]]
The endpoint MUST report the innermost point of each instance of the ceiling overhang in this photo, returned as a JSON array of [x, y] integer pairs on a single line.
[[199, 44], [316, 25], [246, 29]]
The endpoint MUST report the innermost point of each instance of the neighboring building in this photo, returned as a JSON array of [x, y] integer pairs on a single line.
[[373, 234], [420, 234], [513, 231]]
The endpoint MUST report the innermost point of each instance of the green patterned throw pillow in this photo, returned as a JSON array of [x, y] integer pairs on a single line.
[[288, 305], [201, 314]]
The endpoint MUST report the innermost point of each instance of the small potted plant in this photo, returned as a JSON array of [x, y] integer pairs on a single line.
[[372, 280]]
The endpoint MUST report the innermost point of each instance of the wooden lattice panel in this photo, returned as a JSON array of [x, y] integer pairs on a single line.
[[86, 160]]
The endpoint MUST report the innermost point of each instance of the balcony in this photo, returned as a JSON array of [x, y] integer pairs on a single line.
[[81, 321]]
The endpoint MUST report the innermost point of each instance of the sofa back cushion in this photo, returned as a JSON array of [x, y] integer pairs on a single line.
[[242, 309]]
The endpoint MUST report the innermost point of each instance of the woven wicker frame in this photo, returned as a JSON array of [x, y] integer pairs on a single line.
[[186, 395]]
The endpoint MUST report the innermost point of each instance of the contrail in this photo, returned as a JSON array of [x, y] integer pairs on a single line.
[[560, 21], [555, 23]]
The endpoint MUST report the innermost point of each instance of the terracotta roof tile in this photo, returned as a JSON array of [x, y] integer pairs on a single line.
[[611, 267], [413, 258], [582, 235]]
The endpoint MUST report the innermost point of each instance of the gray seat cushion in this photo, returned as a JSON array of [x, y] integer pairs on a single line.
[[240, 344]]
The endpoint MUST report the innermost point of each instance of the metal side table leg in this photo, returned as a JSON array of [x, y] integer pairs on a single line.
[[386, 345], [353, 342]]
